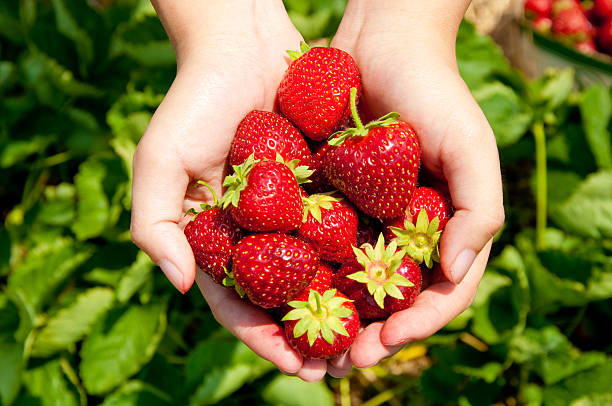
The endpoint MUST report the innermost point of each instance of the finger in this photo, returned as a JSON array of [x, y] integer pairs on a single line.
[[340, 366], [252, 325], [158, 191], [312, 370], [434, 307], [367, 349], [470, 164]]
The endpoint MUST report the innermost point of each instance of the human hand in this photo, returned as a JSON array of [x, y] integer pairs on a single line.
[[405, 53], [231, 57]]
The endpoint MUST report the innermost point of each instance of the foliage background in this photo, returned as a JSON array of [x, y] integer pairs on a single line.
[[85, 318]]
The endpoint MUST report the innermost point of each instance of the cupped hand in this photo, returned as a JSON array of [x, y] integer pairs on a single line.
[[407, 64], [231, 70]]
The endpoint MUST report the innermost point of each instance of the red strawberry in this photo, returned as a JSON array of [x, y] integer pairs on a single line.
[[321, 282], [604, 37], [314, 93], [318, 181], [212, 235], [572, 23], [586, 47], [367, 231], [601, 10], [538, 8], [435, 203], [321, 325], [265, 195], [273, 268], [542, 24], [266, 134], [330, 226], [375, 166], [381, 280], [419, 241]]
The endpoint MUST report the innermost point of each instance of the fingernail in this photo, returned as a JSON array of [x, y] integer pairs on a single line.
[[172, 273], [462, 263]]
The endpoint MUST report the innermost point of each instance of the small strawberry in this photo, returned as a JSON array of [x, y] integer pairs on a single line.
[[212, 235], [330, 226], [586, 47], [321, 326], [419, 241], [266, 134], [381, 280], [318, 181], [542, 24], [376, 165], [265, 195], [367, 230], [572, 23], [321, 282], [314, 92], [273, 268], [537, 8], [435, 203]]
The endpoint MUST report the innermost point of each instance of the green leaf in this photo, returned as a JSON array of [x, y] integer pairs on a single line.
[[19, 150], [47, 382], [135, 277], [292, 391], [134, 393], [93, 205], [553, 89], [600, 399], [72, 323], [596, 111], [114, 353], [588, 211], [592, 382], [46, 266], [68, 26], [12, 364], [507, 114]]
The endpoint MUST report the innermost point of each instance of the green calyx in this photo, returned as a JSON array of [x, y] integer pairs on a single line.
[[236, 183], [304, 47], [319, 315], [420, 241], [314, 203], [229, 282], [302, 173], [204, 206], [360, 130], [380, 265]]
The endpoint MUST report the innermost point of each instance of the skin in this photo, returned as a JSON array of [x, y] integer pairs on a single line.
[[230, 58]]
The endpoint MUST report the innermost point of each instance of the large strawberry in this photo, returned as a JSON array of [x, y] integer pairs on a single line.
[[601, 10], [375, 165], [265, 195], [381, 280], [265, 134], [273, 268], [212, 235], [538, 8], [570, 21], [314, 92], [604, 37], [330, 226], [321, 326]]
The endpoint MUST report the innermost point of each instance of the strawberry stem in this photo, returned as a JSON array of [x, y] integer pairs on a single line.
[[318, 310], [202, 183], [541, 179], [355, 114]]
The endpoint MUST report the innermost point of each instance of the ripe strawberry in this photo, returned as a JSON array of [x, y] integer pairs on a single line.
[[212, 235], [265, 195], [318, 181], [542, 24], [330, 226], [537, 8], [321, 282], [419, 241], [435, 203], [604, 37], [586, 47], [375, 166], [601, 10], [381, 280], [572, 23], [367, 231], [321, 326], [273, 268], [266, 134], [314, 93]]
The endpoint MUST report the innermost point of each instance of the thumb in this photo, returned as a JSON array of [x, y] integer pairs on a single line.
[[158, 193]]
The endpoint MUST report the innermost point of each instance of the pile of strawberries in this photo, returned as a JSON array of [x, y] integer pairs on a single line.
[[321, 224], [587, 26]]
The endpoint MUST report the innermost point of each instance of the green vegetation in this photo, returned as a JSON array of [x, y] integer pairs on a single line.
[[85, 318]]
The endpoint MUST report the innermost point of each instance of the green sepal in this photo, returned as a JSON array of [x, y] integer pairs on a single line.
[[229, 282], [192, 211], [314, 203], [302, 173], [304, 47], [420, 241], [319, 316], [236, 182], [360, 130]]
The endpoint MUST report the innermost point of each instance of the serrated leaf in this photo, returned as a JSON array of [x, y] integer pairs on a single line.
[[72, 323], [47, 382], [135, 277], [93, 207], [111, 355], [596, 111]]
